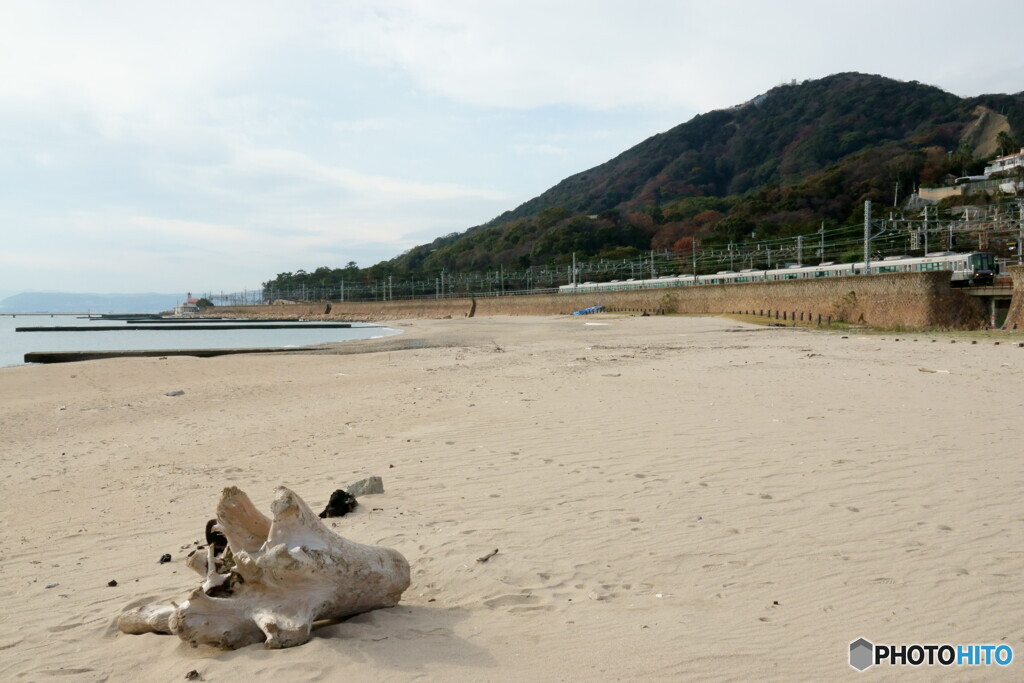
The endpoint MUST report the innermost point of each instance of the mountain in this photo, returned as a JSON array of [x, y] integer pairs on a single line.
[[63, 302], [777, 165]]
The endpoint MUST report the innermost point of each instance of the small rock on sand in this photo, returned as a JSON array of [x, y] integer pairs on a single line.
[[366, 486]]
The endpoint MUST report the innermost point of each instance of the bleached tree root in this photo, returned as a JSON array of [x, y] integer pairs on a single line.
[[275, 579]]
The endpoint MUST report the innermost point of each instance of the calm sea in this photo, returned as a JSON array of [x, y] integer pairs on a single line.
[[14, 345]]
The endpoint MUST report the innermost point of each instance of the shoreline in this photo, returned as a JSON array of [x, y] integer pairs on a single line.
[[73, 344]]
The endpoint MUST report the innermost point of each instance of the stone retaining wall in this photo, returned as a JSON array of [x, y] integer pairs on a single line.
[[356, 310], [918, 300], [1015, 316]]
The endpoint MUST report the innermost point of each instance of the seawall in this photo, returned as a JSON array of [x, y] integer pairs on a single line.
[[1015, 316], [917, 300]]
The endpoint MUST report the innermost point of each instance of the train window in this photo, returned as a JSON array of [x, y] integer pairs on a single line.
[[982, 261]]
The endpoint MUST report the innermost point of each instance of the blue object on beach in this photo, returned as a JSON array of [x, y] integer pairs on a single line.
[[589, 310]]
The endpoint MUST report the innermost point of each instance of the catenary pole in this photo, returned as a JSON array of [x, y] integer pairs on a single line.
[[867, 236]]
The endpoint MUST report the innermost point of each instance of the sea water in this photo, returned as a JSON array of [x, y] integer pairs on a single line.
[[14, 345]]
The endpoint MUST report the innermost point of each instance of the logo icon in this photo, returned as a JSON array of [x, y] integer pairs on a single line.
[[861, 654]]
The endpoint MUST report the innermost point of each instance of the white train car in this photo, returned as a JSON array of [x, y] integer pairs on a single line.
[[974, 268]]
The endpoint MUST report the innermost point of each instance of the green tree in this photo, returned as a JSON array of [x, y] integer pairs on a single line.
[[1008, 143]]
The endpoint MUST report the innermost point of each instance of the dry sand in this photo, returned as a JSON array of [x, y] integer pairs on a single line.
[[672, 498]]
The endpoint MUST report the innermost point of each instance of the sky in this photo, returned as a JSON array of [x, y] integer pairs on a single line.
[[209, 146]]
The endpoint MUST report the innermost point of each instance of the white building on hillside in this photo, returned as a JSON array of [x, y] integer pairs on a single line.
[[1005, 163]]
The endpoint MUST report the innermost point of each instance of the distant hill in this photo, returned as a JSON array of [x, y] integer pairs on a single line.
[[778, 165], [63, 302]]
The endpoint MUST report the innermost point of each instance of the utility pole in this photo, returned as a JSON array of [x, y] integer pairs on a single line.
[[574, 269], [653, 275], [730, 257], [1020, 232], [926, 231], [821, 254], [867, 236], [800, 249]]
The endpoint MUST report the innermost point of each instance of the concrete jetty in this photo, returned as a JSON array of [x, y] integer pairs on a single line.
[[233, 326], [47, 357]]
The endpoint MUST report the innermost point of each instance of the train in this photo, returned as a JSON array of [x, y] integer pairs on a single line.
[[974, 268]]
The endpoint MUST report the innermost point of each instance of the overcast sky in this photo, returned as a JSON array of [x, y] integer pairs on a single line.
[[208, 146]]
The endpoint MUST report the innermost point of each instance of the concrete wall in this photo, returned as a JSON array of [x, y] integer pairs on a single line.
[[356, 310], [1015, 317], [936, 194], [919, 300]]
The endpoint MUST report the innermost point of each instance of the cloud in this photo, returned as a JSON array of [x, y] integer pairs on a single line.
[[125, 57], [690, 55], [550, 150], [128, 56], [297, 167], [238, 139]]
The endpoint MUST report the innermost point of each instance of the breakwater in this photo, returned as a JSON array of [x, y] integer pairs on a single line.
[[917, 300], [184, 326]]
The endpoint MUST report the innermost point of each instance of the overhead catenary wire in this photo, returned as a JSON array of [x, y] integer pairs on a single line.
[[975, 227]]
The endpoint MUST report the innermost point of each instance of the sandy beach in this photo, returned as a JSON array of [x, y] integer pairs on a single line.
[[672, 498]]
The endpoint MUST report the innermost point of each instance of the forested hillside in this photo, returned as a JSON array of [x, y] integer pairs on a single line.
[[778, 165]]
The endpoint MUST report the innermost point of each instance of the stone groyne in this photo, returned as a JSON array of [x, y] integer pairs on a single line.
[[915, 300]]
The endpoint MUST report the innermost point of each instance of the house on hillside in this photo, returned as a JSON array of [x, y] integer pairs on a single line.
[[972, 184], [1005, 163]]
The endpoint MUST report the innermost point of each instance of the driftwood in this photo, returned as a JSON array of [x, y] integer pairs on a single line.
[[275, 579], [487, 556]]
